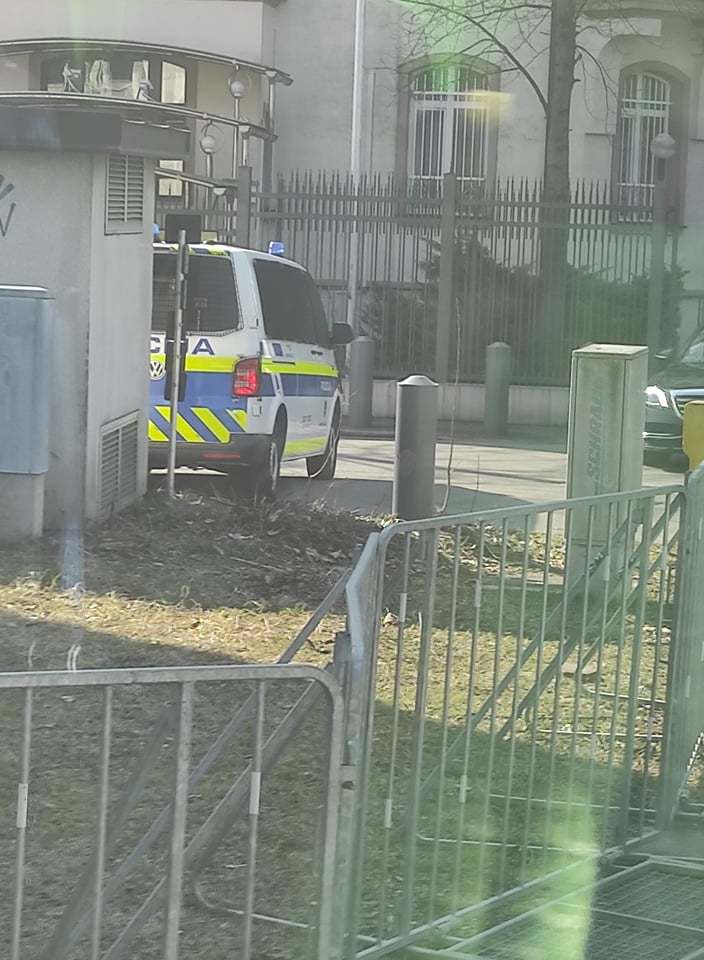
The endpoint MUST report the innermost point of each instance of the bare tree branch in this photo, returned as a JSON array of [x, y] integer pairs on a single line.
[[437, 6]]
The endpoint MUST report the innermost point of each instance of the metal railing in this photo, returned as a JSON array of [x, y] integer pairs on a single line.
[[443, 269], [518, 681], [86, 809], [515, 700], [505, 254]]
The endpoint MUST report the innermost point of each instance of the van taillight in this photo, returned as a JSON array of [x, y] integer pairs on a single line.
[[248, 378]]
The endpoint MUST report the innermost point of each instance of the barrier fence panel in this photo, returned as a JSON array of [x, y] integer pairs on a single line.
[[517, 707], [515, 701], [685, 695], [136, 834]]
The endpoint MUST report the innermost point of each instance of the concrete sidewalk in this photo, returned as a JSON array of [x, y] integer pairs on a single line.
[[528, 466], [523, 437]]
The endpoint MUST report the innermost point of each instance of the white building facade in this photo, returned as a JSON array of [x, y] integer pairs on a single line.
[[438, 94]]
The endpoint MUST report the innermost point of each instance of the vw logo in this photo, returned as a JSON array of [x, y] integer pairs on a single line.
[[157, 369]]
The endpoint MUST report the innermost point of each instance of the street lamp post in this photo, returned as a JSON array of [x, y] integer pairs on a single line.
[[237, 89], [663, 149], [208, 145]]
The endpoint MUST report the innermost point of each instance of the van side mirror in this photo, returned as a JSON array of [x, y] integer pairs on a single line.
[[342, 334]]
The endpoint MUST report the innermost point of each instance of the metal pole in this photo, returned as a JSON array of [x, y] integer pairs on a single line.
[[360, 28], [360, 25], [416, 430], [497, 389], [176, 363], [371, 104], [657, 262], [361, 381], [446, 291], [236, 139], [243, 224]]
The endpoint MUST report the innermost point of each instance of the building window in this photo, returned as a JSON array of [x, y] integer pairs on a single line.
[[449, 124], [124, 200], [119, 76], [170, 186], [173, 83], [645, 111]]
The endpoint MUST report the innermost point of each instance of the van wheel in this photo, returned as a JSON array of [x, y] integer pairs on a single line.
[[324, 466], [262, 482]]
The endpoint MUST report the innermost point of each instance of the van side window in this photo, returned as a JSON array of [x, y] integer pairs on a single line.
[[320, 323], [286, 305], [211, 295]]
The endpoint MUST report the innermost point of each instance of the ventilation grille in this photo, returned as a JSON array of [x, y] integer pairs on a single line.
[[125, 194], [119, 446]]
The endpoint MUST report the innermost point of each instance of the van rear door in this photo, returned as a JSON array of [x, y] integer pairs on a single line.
[[208, 412]]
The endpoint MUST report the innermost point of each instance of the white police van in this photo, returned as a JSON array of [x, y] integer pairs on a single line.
[[260, 383]]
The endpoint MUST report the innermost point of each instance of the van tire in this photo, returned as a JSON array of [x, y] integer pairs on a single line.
[[262, 482], [324, 466]]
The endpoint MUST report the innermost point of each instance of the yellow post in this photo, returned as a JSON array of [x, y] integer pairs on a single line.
[[693, 432]]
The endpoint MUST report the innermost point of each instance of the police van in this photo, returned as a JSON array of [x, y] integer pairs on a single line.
[[260, 383]]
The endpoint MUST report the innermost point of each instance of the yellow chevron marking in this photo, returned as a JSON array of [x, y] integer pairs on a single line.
[[240, 417], [183, 428], [155, 434], [212, 423]]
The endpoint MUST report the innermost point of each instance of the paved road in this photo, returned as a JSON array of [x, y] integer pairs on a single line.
[[529, 466]]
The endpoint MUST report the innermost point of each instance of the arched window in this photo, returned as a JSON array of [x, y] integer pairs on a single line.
[[449, 124], [645, 110]]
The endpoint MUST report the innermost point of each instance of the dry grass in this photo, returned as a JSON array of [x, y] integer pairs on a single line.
[[203, 581], [162, 585]]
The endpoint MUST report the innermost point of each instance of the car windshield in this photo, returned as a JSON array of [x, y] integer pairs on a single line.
[[693, 355]]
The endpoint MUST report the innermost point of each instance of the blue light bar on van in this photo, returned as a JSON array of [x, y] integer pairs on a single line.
[[277, 248]]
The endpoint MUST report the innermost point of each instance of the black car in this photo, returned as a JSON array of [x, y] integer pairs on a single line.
[[679, 380]]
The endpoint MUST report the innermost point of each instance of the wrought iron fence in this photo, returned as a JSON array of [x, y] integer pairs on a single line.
[[442, 268]]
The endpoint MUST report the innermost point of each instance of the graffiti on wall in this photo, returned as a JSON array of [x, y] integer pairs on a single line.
[[7, 206]]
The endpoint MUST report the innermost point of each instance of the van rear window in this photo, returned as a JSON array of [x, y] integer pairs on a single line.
[[211, 295]]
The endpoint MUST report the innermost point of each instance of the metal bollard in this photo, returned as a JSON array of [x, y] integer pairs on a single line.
[[693, 432], [361, 381], [416, 431], [497, 388]]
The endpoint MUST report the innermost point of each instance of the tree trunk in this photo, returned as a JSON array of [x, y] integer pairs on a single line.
[[554, 220], [563, 48]]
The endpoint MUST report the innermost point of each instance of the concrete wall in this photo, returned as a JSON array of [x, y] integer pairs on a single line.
[[47, 244], [314, 115], [56, 239], [536, 406], [119, 325], [229, 27]]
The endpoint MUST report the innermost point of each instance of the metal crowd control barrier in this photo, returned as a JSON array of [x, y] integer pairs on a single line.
[[496, 723], [167, 711], [518, 707]]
